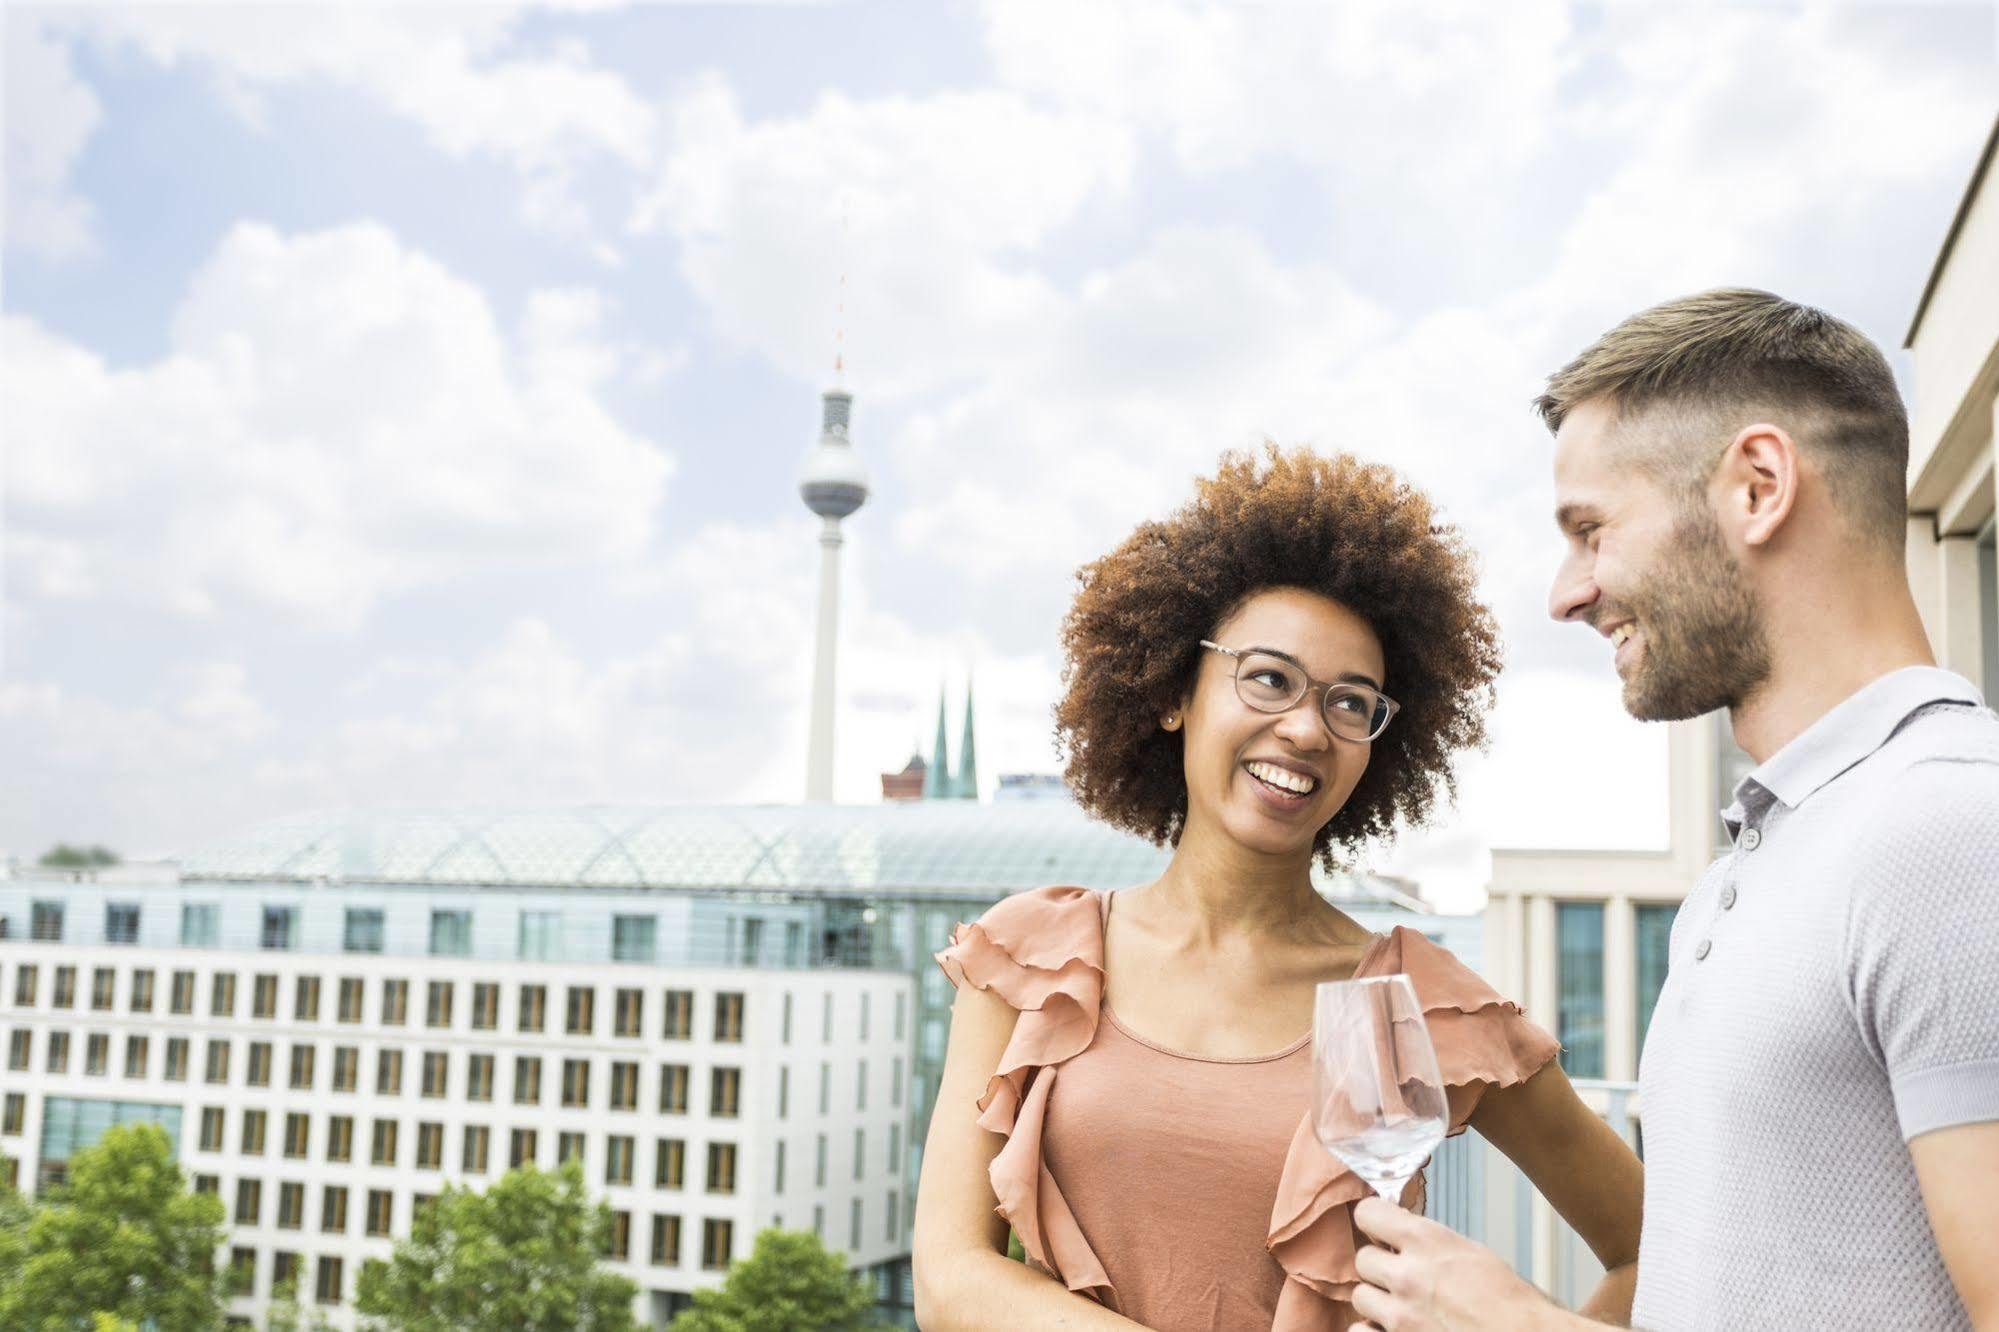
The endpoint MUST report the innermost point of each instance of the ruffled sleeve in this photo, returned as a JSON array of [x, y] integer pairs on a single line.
[[1482, 1041], [1043, 953]]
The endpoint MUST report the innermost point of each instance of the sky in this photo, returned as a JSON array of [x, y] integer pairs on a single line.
[[404, 404]]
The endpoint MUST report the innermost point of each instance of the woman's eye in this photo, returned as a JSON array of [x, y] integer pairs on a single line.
[[1272, 680], [1353, 703]]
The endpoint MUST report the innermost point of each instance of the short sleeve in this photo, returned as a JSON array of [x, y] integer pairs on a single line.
[[1043, 953], [1483, 1040], [1922, 943]]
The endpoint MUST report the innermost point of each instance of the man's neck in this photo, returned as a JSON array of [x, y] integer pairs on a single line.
[[1827, 646]]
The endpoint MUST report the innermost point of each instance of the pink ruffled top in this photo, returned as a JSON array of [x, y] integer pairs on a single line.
[[1187, 1192]]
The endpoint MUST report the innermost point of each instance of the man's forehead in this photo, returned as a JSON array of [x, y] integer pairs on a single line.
[[1585, 475]]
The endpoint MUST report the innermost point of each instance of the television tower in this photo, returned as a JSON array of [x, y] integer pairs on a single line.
[[833, 485]]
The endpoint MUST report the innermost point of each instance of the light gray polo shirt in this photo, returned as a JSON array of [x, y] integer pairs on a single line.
[[1832, 992]]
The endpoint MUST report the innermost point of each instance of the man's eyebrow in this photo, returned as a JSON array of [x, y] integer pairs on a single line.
[[1575, 511], [1346, 677]]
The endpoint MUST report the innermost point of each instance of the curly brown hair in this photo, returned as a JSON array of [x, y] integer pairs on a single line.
[[1346, 529]]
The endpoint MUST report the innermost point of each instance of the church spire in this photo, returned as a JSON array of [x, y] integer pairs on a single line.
[[965, 786], [937, 778]]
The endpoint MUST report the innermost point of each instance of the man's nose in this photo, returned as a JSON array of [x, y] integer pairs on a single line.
[[1573, 594]]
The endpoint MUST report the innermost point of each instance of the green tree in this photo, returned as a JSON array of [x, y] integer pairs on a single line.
[[284, 1314], [124, 1238], [15, 1214], [523, 1255], [789, 1283], [64, 856]]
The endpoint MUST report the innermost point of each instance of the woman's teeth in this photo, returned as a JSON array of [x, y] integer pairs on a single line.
[[1282, 778]]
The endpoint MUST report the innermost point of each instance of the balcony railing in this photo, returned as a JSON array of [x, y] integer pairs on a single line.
[[1479, 1193]]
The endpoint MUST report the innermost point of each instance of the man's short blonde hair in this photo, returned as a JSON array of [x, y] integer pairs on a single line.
[[1705, 366]]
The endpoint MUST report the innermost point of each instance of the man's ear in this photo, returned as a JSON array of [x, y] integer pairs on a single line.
[[1758, 479]]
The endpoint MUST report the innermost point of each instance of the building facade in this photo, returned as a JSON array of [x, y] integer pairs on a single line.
[[1953, 484], [729, 1015]]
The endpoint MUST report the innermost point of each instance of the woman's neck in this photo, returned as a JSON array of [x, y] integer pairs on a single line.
[[1216, 889]]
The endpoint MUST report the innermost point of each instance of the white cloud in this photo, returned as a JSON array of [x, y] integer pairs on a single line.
[[928, 206], [50, 115], [338, 419], [458, 72], [1444, 97]]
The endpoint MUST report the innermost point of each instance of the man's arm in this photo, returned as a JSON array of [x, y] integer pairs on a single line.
[[1958, 1169]]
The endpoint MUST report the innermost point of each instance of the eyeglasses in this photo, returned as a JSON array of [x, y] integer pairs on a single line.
[[1270, 683]]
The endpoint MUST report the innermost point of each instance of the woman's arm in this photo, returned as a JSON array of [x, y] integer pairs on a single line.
[[964, 1280], [1582, 1167]]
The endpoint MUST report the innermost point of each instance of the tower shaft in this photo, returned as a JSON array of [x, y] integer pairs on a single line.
[[819, 750]]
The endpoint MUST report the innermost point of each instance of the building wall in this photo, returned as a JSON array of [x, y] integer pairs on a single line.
[[1953, 483], [848, 1032]]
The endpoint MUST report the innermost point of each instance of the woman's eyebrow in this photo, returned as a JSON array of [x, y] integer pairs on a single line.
[[1348, 677]]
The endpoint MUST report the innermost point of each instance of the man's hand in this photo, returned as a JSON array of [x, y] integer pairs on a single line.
[[1419, 1276]]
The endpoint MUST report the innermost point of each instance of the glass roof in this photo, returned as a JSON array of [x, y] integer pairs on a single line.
[[923, 847]]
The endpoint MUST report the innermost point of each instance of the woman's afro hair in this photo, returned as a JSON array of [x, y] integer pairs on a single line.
[[1349, 530]]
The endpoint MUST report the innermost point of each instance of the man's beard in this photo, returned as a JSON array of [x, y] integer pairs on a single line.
[[1704, 642]]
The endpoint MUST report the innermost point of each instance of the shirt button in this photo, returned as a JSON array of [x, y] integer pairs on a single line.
[[1751, 839], [1728, 897], [1701, 950]]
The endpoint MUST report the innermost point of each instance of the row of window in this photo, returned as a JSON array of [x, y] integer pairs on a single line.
[[385, 1137], [385, 1140], [725, 1084], [634, 937], [717, 1239], [440, 1001]]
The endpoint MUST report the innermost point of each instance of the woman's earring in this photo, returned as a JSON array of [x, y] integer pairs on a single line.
[[1171, 721]]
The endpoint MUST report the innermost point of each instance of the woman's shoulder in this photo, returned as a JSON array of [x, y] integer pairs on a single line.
[[1037, 913], [1441, 979], [1030, 944], [1482, 1038]]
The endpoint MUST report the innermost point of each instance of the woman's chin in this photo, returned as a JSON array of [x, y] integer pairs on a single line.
[[1254, 830]]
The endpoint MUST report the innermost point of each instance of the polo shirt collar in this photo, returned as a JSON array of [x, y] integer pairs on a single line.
[[1854, 728]]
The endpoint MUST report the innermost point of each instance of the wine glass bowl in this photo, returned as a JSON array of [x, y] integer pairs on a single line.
[[1378, 1101]]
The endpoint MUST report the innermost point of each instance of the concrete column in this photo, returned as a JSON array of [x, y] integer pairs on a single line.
[[1620, 989], [1539, 983], [1956, 636]]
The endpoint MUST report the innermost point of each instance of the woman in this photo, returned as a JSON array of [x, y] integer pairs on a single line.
[[1128, 1075]]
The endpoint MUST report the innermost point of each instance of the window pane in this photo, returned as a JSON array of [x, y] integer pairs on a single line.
[[1654, 927], [277, 931], [541, 935], [1579, 985], [451, 933], [633, 938], [121, 923], [200, 925], [363, 933]]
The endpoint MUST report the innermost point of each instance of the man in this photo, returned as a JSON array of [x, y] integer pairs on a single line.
[[1820, 1085]]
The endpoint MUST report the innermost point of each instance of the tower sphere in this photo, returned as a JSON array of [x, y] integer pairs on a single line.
[[834, 483]]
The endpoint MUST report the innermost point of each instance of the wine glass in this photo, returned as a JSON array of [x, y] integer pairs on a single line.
[[1377, 1098]]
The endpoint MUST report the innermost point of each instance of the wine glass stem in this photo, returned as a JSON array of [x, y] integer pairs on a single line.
[[1391, 1189]]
